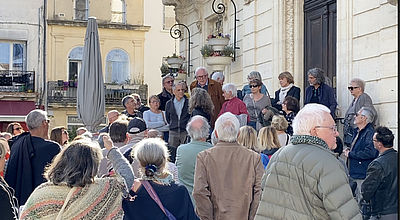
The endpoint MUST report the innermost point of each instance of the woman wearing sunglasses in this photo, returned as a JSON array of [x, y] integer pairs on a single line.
[[15, 129], [361, 99], [256, 102]]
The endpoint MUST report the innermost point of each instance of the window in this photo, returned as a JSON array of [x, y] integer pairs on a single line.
[[74, 63], [117, 67], [12, 56], [118, 11], [81, 10], [169, 17]]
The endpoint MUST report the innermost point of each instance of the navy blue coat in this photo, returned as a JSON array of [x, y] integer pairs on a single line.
[[362, 153], [327, 97], [294, 92]]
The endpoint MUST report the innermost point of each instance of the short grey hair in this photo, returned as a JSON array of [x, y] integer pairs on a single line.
[[126, 99], [35, 118], [198, 132], [254, 75], [217, 75], [200, 68], [182, 83], [230, 87], [368, 113], [359, 82], [227, 127], [167, 77], [308, 117], [318, 73]]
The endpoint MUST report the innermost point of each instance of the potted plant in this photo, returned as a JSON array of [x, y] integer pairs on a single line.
[[164, 69], [217, 59], [219, 41], [175, 61]]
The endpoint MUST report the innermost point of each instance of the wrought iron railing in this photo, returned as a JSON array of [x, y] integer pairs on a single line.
[[59, 92], [17, 81]]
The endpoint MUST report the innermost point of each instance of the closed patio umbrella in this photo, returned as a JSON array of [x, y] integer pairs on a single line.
[[90, 97]]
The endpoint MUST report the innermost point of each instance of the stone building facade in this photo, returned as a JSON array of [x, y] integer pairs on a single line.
[[347, 38]]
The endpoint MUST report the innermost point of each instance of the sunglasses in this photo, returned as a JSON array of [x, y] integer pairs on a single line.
[[171, 81], [19, 128], [253, 86], [351, 88]]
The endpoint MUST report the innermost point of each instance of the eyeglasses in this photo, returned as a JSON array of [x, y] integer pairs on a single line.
[[170, 81], [253, 86], [201, 77], [351, 88], [65, 132], [333, 127], [154, 101]]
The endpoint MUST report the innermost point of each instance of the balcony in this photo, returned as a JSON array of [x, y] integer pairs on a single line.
[[16, 84], [60, 93]]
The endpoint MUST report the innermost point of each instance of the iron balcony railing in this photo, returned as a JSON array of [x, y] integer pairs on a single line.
[[17, 81], [64, 93]]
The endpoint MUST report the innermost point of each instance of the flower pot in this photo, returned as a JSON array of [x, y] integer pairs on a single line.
[[218, 44], [175, 62], [218, 63]]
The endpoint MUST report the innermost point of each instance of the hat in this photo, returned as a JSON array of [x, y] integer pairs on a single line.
[[136, 125]]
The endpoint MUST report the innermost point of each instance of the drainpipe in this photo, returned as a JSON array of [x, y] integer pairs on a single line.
[[44, 88]]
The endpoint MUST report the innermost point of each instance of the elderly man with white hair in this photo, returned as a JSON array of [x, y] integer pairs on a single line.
[[219, 77], [227, 180], [30, 153], [212, 87], [198, 130], [232, 103], [305, 180]]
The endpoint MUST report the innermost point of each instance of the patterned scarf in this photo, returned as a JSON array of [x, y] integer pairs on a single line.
[[308, 139]]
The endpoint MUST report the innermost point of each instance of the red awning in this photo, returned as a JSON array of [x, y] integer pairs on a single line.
[[16, 107]]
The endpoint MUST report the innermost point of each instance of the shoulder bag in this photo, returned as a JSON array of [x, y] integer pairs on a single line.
[[154, 196]]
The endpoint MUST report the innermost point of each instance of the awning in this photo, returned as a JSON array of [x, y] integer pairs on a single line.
[[15, 110]]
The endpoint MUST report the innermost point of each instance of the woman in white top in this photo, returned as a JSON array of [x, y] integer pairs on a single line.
[[155, 118], [280, 124]]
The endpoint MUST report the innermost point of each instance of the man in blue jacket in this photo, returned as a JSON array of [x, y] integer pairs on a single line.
[[361, 152]]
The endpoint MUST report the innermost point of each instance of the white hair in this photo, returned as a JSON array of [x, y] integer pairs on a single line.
[[230, 87], [198, 132], [227, 127], [214, 139], [200, 68], [217, 75], [35, 118], [368, 113], [308, 117]]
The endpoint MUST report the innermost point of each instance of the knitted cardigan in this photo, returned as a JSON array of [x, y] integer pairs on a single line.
[[99, 200]]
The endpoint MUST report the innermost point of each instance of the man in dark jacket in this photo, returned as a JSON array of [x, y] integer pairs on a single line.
[[177, 115], [166, 93], [362, 151], [380, 187], [319, 92], [30, 153]]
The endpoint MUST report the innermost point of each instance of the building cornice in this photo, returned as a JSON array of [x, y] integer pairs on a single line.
[[100, 25]]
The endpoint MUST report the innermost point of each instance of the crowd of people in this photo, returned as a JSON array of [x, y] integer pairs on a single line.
[[214, 152]]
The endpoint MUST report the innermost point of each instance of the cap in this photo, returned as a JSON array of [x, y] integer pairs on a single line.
[[136, 125]]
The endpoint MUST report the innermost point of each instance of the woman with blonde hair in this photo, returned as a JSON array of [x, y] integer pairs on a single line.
[[248, 138], [155, 195], [280, 124], [73, 192], [268, 141], [59, 135]]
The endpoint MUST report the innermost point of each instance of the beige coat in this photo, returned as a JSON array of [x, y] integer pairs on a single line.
[[227, 182]]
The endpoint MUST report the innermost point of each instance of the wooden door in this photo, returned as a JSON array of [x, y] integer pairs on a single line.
[[320, 38]]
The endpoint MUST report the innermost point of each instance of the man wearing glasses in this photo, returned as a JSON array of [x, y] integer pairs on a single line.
[[305, 180], [212, 87], [30, 153], [361, 151], [166, 94]]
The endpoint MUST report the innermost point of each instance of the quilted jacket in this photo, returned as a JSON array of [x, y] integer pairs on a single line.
[[304, 180]]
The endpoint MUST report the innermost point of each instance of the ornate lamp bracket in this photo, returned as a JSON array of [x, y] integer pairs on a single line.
[[176, 33], [220, 9]]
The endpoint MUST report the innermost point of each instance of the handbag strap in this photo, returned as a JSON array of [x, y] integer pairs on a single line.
[[165, 121], [153, 194], [61, 212]]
